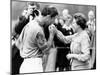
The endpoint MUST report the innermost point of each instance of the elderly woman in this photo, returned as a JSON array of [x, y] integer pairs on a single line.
[[80, 52]]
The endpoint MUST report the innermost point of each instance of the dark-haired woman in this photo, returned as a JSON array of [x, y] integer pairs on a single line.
[[80, 52]]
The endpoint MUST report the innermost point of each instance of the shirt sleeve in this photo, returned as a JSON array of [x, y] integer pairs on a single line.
[[65, 39]]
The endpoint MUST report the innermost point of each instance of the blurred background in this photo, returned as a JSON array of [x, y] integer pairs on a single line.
[[18, 6]]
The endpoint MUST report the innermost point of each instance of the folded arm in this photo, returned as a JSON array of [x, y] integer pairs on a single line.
[[85, 51], [42, 43]]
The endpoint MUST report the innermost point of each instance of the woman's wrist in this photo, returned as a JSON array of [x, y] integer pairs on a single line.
[[75, 56]]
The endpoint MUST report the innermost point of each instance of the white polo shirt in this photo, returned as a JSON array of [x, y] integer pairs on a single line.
[[27, 40]]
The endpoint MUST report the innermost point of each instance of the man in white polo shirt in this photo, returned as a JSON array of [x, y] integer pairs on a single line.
[[32, 42]]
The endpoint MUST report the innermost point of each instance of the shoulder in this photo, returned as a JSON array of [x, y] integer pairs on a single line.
[[34, 25]]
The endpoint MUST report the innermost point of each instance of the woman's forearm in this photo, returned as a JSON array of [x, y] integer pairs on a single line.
[[81, 57], [65, 39]]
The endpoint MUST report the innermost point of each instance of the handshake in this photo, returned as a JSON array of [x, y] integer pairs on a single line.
[[52, 29]]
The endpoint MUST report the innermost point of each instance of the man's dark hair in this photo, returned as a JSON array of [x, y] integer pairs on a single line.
[[47, 10], [81, 20]]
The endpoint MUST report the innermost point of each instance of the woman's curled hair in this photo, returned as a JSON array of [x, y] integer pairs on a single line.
[[80, 20]]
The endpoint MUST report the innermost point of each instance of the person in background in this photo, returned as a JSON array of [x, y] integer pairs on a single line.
[[63, 24], [80, 43], [91, 21], [49, 59], [64, 17], [33, 45], [28, 14], [65, 13], [35, 7], [67, 24], [92, 33]]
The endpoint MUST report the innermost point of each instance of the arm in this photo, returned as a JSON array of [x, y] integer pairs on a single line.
[[42, 43], [65, 39]]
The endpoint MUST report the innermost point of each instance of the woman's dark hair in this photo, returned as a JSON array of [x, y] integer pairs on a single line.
[[80, 20], [47, 10]]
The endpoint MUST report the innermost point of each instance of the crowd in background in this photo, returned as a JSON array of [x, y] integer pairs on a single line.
[[53, 42]]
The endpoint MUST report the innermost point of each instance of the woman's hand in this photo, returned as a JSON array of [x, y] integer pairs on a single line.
[[69, 56], [52, 29]]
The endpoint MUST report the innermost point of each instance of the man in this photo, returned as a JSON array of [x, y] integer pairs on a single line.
[[29, 13], [32, 42]]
